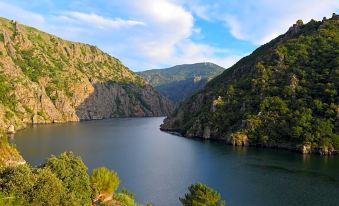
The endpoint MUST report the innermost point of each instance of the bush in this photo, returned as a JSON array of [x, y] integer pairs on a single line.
[[104, 180], [48, 189], [124, 199], [201, 195], [73, 173], [17, 182], [9, 200]]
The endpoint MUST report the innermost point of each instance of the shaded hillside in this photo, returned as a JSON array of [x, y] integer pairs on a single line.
[[181, 81], [46, 79], [285, 94]]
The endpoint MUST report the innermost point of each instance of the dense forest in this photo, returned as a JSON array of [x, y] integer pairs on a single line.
[[284, 94]]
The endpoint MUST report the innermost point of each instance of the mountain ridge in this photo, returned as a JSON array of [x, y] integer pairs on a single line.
[[180, 81]]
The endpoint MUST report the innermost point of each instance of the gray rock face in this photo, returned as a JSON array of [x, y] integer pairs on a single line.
[[113, 100]]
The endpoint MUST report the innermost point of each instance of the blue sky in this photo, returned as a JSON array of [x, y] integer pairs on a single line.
[[147, 34]]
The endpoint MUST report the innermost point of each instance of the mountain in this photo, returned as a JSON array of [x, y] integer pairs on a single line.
[[284, 95], [45, 79], [181, 81]]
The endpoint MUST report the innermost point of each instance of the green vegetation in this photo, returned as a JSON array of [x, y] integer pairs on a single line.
[[179, 82], [201, 195], [285, 94], [8, 153], [104, 181], [73, 174], [63, 180], [6, 98]]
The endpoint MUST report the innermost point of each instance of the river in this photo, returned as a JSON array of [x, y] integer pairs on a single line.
[[158, 167]]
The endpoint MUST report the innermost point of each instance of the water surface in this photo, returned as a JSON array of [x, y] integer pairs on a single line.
[[158, 166]]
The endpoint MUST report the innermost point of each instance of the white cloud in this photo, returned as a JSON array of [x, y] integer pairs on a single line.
[[100, 21], [201, 11], [260, 21], [169, 24]]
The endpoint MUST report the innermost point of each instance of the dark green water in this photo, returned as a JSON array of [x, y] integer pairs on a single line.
[[158, 167]]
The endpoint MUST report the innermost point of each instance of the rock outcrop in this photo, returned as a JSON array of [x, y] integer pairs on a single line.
[[11, 129]]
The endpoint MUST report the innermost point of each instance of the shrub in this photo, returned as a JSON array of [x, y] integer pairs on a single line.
[[201, 195], [73, 173], [48, 189], [104, 180]]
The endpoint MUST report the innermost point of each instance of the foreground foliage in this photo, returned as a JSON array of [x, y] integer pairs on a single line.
[[201, 195], [63, 181], [104, 181], [73, 173]]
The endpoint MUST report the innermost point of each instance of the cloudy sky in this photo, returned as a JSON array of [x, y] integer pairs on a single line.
[[147, 34]]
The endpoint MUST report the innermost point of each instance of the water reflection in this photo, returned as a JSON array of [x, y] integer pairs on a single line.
[[10, 138], [240, 150]]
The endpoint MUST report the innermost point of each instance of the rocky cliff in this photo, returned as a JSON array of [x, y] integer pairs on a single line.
[[45, 79], [285, 95]]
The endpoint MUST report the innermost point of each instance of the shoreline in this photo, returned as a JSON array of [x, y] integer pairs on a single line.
[[260, 146], [66, 122]]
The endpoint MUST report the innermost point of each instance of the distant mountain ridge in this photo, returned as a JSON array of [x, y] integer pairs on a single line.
[[179, 82], [46, 79], [285, 95]]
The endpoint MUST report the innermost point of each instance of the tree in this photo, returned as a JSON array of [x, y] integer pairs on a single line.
[[124, 199], [73, 173], [201, 195], [10, 200], [16, 182], [48, 189], [104, 181]]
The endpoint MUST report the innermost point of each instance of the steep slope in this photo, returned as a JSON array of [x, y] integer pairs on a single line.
[[285, 94], [46, 79], [181, 81], [9, 155]]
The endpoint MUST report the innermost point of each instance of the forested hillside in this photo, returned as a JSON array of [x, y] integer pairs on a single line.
[[285, 94], [181, 81]]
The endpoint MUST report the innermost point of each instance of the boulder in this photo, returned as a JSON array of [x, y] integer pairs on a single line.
[[11, 129]]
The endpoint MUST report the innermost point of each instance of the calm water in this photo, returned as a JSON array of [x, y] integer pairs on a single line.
[[158, 167]]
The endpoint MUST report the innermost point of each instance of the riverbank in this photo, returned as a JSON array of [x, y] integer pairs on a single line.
[[305, 149]]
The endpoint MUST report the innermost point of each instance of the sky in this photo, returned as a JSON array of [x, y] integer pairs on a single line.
[[149, 34]]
